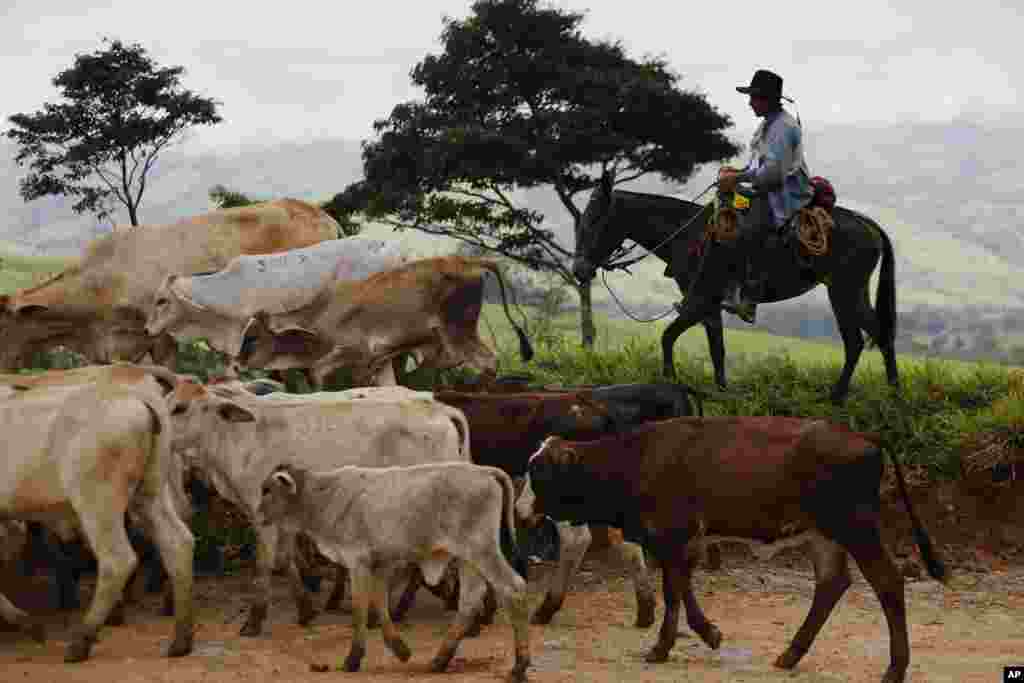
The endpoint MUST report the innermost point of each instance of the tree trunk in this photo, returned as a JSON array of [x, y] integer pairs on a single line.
[[133, 215], [587, 331]]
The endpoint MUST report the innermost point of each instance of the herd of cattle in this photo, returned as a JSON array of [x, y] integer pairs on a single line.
[[393, 486]]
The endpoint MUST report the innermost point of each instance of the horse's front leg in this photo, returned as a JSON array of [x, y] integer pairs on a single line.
[[693, 310], [716, 343]]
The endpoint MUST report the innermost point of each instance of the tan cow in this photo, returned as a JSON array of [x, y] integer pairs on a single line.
[[374, 520], [430, 307], [238, 439], [82, 456], [98, 306], [152, 378]]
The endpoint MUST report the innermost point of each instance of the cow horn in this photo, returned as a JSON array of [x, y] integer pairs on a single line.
[[282, 477]]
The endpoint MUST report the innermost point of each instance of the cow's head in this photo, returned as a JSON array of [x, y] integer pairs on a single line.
[[562, 488], [280, 494], [200, 415], [585, 419], [170, 307]]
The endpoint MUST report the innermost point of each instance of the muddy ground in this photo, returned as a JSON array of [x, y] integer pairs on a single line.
[[964, 633]]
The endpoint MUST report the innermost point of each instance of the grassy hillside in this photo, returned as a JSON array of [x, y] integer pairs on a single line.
[[23, 271]]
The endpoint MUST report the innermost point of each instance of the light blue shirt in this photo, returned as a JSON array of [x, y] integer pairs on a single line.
[[777, 165]]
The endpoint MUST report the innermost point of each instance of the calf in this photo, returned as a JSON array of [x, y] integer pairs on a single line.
[[665, 483], [375, 520], [82, 456]]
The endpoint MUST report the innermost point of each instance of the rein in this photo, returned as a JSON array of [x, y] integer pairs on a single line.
[[624, 265]]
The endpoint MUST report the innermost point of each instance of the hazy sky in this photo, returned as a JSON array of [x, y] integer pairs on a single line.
[[302, 69]]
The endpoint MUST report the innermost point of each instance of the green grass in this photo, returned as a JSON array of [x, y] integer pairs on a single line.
[[23, 271]]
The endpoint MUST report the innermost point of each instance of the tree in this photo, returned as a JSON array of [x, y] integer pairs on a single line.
[[99, 145], [225, 198], [520, 99]]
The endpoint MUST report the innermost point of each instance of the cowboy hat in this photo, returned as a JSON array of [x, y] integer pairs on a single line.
[[764, 84]]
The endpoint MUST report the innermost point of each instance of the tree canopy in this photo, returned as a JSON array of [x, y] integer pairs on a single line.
[[119, 111], [519, 98]]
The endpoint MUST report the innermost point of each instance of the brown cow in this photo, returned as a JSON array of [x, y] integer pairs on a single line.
[[506, 429], [98, 306], [665, 483], [429, 307]]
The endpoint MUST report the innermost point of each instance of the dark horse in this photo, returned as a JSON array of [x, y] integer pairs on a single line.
[[856, 243]]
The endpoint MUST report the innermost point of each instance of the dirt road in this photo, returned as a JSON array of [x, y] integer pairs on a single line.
[[965, 635]]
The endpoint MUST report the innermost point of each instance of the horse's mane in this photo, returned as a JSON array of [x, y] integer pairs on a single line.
[[659, 200]]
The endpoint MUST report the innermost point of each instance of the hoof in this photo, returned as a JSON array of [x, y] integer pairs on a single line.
[[307, 613], [251, 629], [400, 649], [319, 668], [116, 616], [711, 636], [36, 632], [254, 624], [373, 619], [180, 647], [645, 614], [788, 659], [894, 675], [351, 664], [439, 664], [517, 675], [657, 655], [79, 648]]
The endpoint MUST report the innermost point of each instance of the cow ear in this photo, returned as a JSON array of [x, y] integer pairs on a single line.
[[285, 479], [232, 412]]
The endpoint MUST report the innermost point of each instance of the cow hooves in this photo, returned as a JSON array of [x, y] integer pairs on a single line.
[[894, 675], [439, 664], [711, 636], [307, 613], [657, 655], [180, 647], [251, 629], [116, 617], [319, 668], [787, 660], [645, 613], [474, 630], [36, 632], [80, 647], [353, 660], [336, 606], [400, 649], [517, 675], [373, 619], [254, 624]]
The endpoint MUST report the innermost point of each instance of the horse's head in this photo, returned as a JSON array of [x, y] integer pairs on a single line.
[[598, 236]]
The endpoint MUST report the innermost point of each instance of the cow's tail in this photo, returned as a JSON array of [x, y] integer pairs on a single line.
[[164, 468], [525, 349], [936, 569], [507, 535], [458, 418]]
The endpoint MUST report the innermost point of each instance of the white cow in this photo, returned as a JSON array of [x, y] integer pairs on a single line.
[[239, 439], [375, 520]]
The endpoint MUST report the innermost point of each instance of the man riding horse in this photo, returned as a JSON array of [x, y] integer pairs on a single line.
[[781, 187]]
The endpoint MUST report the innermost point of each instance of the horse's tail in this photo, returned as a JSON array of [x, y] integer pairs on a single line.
[[885, 296]]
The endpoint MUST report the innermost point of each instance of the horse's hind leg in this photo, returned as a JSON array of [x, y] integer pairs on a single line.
[[869, 323]]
